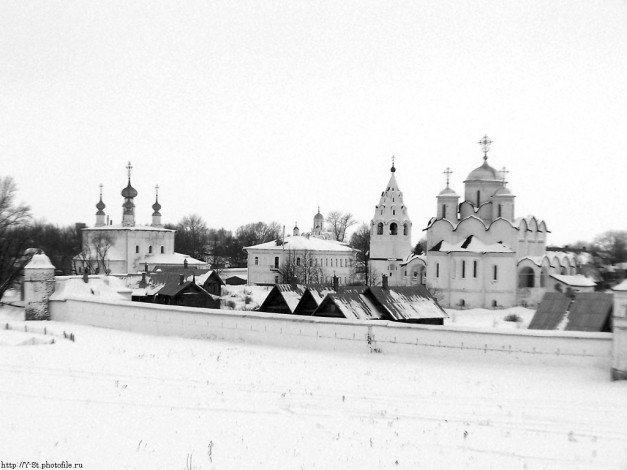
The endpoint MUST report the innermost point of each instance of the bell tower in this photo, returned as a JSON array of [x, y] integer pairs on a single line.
[[390, 233]]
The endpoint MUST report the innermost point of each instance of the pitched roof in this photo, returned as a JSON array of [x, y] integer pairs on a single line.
[[471, 244], [577, 280], [301, 243], [590, 312], [352, 305], [406, 302], [550, 312], [290, 294], [622, 286]]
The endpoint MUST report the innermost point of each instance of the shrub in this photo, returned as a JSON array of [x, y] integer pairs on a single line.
[[513, 317], [230, 304]]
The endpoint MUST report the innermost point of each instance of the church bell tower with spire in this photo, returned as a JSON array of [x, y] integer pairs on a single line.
[[390, 233]]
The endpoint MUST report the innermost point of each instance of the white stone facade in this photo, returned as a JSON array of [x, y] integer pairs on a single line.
[[38, 287], [316, 261]]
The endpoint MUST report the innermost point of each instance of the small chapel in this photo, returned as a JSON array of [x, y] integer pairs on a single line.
[[128, 247], [478, 253]]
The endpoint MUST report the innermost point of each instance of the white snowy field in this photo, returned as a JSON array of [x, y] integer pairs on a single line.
[[120, 400]]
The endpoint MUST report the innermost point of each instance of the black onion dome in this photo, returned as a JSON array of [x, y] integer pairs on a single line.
[[156, 207], [100, 206], [129, 192]]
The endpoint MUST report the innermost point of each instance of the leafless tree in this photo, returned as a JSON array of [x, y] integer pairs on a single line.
[[338, 222], [302, 267], [93, 257], [14, 239]]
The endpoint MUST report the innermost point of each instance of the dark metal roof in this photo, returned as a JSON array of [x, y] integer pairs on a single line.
[[172, 289], [550, 312], [590, 312], [406, 302]]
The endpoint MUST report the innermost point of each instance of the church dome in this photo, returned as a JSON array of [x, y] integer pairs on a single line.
[[503, 191], [448, 192], [100, 206], [484, 173], [156, 207], [318, 216], [129, 192]]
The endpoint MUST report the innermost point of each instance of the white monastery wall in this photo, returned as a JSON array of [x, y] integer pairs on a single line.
[[523, 346]]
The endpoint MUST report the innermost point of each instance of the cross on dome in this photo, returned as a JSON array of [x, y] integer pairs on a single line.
[[504, 171], [129, 167], [448, 174], [157, 190], [485, 143], [100, 185], [393, 169]]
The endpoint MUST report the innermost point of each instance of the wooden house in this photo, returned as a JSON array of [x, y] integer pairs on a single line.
[[282, 298], [351, 305], [314, 295], [407, 304], [186, 293]]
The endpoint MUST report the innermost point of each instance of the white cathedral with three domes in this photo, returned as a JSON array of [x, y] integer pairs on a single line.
[[478, 254]]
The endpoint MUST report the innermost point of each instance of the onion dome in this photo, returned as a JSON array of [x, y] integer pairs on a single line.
[[156, 207], [100, 206], [128, 206], [129, 192], [318, 216]]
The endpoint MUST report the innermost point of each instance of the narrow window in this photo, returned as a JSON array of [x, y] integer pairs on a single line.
[[136, 248], [405, 229], [256, 260], [150, 249], [393, 211], [276, 279], [380, 228], [162, 250], [478, 198], [341, 263], [393, 229], [437, 269], [276, 262], [500, 210], [297, 261], [463, 269], [443, 211], [474, 269], [495, 273]]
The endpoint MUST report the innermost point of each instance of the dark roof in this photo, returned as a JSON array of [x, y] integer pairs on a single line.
[[288, 294], [591, 311], [406, 302], [352, 305], [550, 312], [313, 296], [172, 289]]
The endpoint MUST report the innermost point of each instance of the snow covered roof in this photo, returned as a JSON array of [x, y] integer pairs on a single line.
[[300, 243], [39, 261], [97, 288], [353, 305], [622, 286], [172, 258], [413, 257], [576, 280], [132, 228], [406, 302], [473, 245]]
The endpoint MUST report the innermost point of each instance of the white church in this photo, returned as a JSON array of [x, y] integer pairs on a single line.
[[129, 247], [478, 253]]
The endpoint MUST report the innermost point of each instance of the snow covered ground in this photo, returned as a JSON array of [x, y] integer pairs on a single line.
[[121, 400]]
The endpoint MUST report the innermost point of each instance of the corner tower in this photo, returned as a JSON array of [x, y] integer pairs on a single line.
[[390, 233]]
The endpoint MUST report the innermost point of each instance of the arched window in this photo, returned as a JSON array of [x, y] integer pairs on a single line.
[[526, 277], [544, 277], [136, 248], [150, 249], [478, 198], [393, 229], [443, 211], [380, 228], [463, 269], [162, 250], [405, 229], [500, 210]]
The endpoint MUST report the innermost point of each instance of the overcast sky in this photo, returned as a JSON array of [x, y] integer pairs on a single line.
[[264, 110]]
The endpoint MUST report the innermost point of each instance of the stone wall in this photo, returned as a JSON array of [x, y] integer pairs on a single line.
[[577, 349]]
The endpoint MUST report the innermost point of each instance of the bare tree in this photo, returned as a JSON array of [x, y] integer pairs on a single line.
[[192, 236], [360, 241], [301, 267], [257, 232], [14, 239], [338, 222]]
